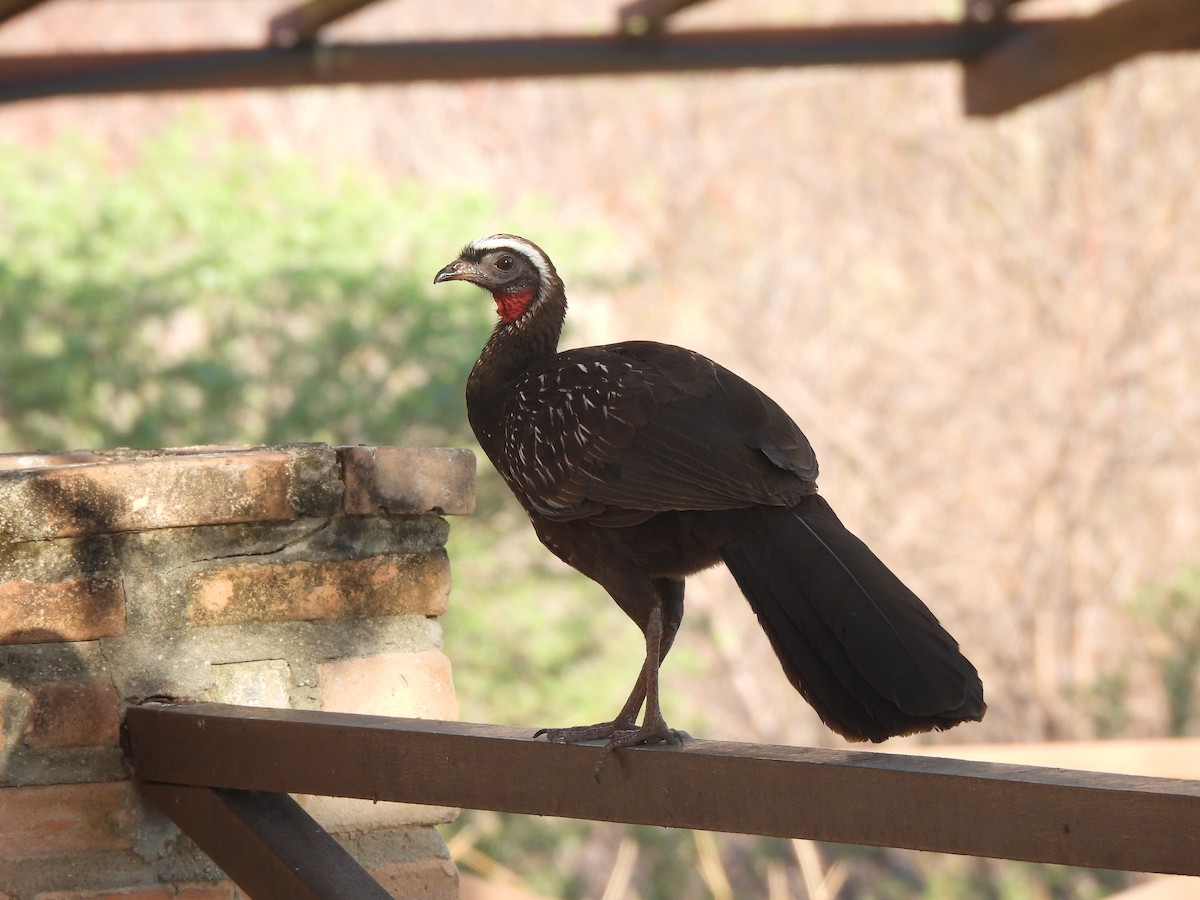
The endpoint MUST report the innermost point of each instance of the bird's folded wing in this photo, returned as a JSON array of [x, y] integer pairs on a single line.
[[651, 427]]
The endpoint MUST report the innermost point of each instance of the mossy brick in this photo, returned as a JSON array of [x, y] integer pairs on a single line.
[[57, 560], [408, 480], [60, 590], [294, 590], [314, 484], [75, 712]]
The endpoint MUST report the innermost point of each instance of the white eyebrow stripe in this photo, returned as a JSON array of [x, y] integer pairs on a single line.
[[518, 245]]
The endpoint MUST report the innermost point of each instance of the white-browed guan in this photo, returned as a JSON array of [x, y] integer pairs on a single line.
[[641, 463]]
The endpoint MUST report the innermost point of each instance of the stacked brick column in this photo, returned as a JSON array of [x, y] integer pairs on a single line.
[[301, 576]]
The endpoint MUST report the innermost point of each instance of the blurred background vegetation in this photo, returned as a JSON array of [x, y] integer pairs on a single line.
[[988, 330]]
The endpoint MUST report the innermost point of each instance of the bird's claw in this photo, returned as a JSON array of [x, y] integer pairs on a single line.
[[652, 733], [619, 733], [578, 733], [655, 733]]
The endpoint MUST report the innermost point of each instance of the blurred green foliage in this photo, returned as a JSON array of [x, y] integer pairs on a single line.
[[1174, 611], [212, 295]]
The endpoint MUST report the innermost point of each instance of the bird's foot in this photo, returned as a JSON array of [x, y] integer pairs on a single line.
[[648, 733], [620, 733]]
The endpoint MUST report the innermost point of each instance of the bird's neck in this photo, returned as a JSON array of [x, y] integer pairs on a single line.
[[511, 349]]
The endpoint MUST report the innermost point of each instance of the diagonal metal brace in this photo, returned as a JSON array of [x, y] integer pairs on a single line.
[[643, 18], [300, 25], [266, 843], [1026, 65], [12, 8]]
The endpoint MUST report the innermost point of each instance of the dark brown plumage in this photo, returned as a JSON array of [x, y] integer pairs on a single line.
[[641, 463]]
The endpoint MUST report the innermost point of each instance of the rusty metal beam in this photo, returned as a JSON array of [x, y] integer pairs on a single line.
[[31, 77], [11, 8], [300, 24], [1032, 63], [950, 806], [266, 843]]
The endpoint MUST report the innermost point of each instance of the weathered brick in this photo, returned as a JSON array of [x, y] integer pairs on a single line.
[[264, 682], [300, 590], [408, 480], [50, 820], [77, 609], [77, 712], [435, 879], [314, 480], [14, 702], [170, 489], [92, 556], [85, 535], [410, 685]]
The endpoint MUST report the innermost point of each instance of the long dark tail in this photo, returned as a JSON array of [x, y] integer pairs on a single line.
[[859, 646]]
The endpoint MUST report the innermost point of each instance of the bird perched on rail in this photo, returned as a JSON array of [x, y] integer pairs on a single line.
[[641, 463]]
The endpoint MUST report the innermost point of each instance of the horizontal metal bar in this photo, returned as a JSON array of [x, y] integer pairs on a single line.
[[266, 843], [923, 803], [30, 77]]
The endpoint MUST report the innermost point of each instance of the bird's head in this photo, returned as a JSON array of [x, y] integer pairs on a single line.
[[517, 273]]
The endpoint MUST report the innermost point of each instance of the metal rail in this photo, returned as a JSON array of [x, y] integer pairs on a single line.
[[1006, 61], [31, 77], [951, 806]]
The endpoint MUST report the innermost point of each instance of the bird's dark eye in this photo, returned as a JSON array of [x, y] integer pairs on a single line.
[[505, 263]]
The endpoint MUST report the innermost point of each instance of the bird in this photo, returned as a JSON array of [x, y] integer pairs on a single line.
[[641, 463]]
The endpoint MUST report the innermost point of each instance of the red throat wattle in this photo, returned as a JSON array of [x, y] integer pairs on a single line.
[[512, 306]]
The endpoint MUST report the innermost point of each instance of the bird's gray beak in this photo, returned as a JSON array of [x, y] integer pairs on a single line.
[[456, 271]]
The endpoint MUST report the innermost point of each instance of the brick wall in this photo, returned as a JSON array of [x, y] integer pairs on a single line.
[[301, 576]]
